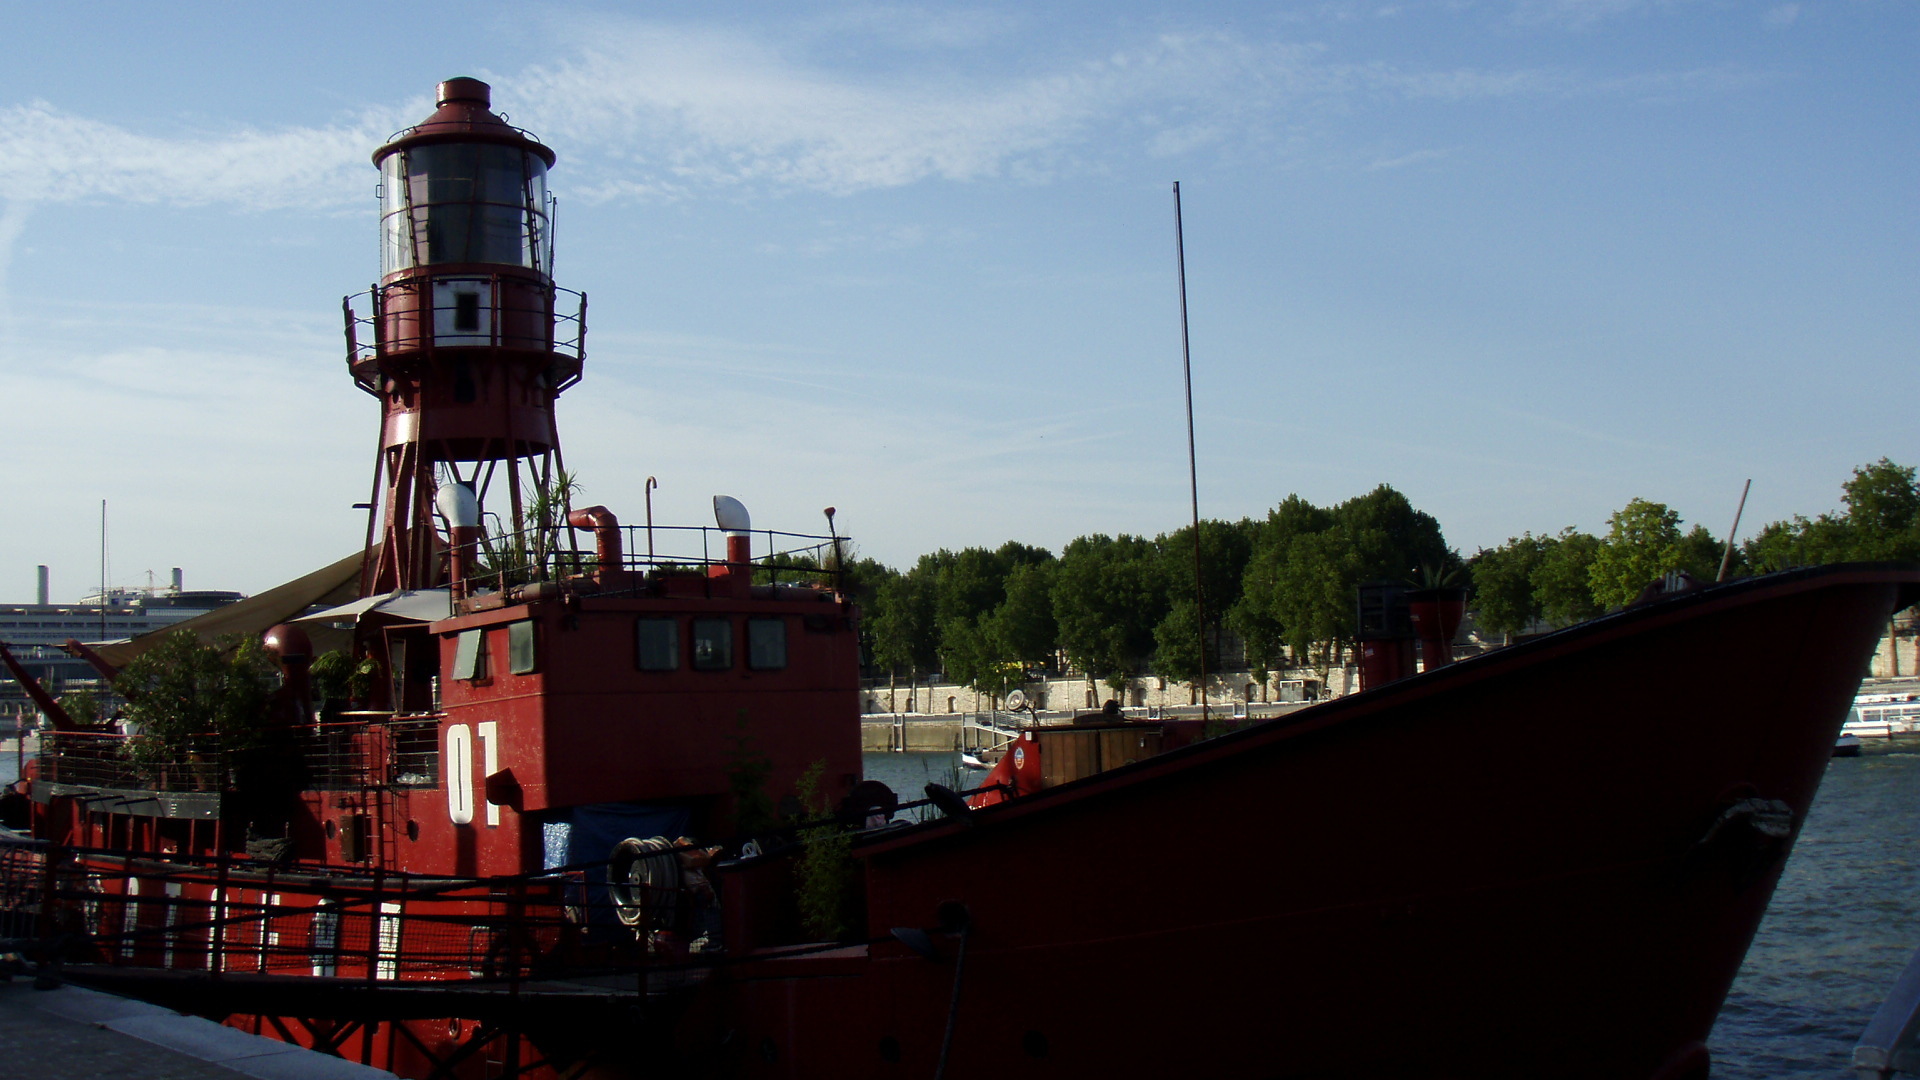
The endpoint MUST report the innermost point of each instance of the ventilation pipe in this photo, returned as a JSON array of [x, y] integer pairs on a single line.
[[606, 539], [731, 515], [43, 601], [458, 504]]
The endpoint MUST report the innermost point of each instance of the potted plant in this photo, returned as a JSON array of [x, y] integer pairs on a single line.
[[1436, 605]]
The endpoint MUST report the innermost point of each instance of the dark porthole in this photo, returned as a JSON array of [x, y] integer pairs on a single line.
[[889, 1048], [1034, 1043]]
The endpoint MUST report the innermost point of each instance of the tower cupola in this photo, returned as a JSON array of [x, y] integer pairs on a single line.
[[465, 340]]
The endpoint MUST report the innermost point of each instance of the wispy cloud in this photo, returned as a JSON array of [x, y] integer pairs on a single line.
[[13, 218], [1418, 157], [1781, 15], [1675, 85], [50, 155], [1581, 14], [692, 107], [652, 110], [909, 28]]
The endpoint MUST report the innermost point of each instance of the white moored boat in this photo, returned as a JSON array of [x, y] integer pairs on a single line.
[[1883, 716]]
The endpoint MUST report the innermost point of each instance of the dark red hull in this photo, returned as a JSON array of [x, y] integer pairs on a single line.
[[1545, 861], [1509, 867]]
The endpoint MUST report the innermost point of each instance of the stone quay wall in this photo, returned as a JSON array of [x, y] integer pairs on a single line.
[[1070, 693], [1897, 656]]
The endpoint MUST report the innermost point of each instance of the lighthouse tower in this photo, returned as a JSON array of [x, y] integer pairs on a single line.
[[465, 341]]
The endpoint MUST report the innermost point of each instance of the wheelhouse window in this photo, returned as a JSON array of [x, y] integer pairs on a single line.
[[522, 657], [766, 644], [712, 644], [470, 655], [659, 644]]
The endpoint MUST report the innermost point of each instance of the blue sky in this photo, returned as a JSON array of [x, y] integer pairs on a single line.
[[1522, 259]]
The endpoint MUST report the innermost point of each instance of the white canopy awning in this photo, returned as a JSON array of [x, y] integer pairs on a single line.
[[413, 605], [249, 617]]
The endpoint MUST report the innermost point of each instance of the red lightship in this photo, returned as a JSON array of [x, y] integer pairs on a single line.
[[473, 872]]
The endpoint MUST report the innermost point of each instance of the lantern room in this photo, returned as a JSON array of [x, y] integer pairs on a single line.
[[466, 230], [464, 187]]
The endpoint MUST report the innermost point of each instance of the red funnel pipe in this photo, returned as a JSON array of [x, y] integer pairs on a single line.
[[606, 538], [463, 541], [740, 563]]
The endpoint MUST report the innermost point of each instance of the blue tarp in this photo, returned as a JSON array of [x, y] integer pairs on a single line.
[[588, 833]]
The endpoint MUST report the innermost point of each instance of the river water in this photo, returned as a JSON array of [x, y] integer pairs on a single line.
[[1839, 931], [1842, 924]]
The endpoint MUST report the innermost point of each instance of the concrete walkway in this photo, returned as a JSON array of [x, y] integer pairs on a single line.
[[74, 1033]]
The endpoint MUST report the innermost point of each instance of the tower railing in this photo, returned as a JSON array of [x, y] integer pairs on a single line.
[[424, 313]]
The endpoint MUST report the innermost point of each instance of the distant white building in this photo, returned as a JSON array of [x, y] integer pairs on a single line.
[[34, 632]]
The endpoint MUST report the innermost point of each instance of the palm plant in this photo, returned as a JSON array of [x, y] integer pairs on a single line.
[[527, 552]]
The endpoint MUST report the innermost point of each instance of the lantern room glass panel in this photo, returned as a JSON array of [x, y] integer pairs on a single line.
[[463, 203]]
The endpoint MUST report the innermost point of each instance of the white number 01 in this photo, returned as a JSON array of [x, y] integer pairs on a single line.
[[459, 770]]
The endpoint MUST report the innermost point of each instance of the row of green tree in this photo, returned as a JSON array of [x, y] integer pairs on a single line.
[[1557, 580], [1283, 589], [1114, 606]]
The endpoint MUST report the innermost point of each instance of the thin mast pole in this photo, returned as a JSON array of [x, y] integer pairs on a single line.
[[1193, 472], [1726, 560], [103, 569]]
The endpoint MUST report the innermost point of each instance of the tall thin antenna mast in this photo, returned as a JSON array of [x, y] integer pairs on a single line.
[[1193, 471], [103, 569]]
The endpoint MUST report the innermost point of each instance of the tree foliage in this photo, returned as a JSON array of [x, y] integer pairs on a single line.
[[1111, 606], [1024, 621], [1219, 567], [1307, 564], [1177, 642], [1881, 522], [184, 693], [825, 877], [1563, 584], [901, 621], [1505, 600], [1643, 543], [1109, 593]]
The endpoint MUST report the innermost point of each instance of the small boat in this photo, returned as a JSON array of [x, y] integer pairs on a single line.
[[1847, 745], [968, 760], [1883, 716]]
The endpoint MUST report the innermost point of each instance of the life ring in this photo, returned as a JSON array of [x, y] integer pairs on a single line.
[[643, 879]]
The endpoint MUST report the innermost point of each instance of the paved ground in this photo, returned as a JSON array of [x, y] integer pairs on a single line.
[[75, 1034]]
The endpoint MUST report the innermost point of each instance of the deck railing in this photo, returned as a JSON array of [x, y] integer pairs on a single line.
[[508, 558], [391, 751], [231, 915]]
